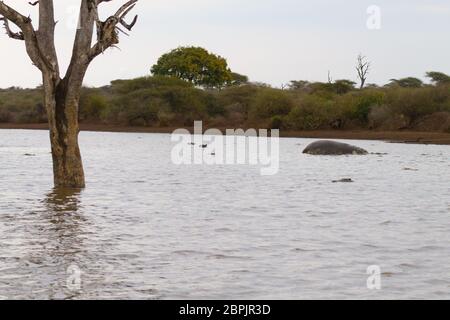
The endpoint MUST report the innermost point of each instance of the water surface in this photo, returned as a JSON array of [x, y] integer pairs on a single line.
[[147, 229]]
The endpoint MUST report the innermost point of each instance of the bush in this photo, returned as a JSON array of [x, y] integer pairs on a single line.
[[142, 114], [36, 114], [356, 106], [186, 101], [366, 102], [313, 112], [276, 122], [92, 106], [237, 99], [22, 105], [271, 102], [157, 82], [182, 103], [165, 117], [378, 116], [418, 102], [5, 116], [213, 107], [165, 101]]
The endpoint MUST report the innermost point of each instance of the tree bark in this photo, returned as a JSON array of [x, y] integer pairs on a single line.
[[62, 112]]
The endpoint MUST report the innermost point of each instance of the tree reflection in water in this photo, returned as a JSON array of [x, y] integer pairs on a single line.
[[61, 234]]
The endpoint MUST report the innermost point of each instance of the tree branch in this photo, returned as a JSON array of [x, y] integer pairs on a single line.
[[107, 31], [107, 36], [27, 33], [40, 44], [46, 35], [13, 35], [83, 39], [13, 16]]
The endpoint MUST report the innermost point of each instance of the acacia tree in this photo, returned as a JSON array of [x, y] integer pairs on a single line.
[[438, 78], [62, 94], [409, 82]]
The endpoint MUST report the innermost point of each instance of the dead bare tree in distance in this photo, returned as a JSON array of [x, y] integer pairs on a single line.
[[363, 67], [62, 95]]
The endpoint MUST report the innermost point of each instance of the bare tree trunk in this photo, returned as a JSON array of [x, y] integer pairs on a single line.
[[62, 111], [363, 83], [362, 68]]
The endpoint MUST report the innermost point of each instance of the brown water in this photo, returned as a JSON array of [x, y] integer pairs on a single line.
[[147, 229]]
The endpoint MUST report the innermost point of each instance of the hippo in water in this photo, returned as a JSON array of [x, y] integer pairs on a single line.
[[331, 148]]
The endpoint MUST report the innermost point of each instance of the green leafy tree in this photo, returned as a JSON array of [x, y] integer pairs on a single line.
[[343, 86], [238, 79], [339, 86], [299, 85], [438, 78], [409, 82], [195, 65]]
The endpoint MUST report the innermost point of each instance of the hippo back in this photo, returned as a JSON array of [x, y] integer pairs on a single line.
[[326, 147]]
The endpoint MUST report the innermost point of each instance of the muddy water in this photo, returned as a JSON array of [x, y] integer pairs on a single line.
[[147, 229]]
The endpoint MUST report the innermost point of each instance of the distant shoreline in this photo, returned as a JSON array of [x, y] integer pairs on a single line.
[[414, 137]]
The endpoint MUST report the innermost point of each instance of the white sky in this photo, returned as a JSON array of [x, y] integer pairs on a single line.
[[272, 41]]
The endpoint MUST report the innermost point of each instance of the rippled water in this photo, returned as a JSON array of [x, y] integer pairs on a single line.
[[147, 229]]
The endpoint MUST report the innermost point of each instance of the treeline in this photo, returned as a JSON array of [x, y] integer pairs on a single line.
[[161, 101]]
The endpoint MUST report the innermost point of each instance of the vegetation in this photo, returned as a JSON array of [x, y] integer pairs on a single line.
[[409, 82], [438, 78], [189, 84], [197, 66], [161, 101]]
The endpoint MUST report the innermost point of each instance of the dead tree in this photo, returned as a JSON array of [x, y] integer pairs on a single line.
[[362, 67], [62, 94]]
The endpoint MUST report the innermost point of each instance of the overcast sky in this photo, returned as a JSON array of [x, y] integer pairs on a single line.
[[272, 41]]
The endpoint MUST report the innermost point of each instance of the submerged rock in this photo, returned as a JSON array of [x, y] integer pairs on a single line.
[[379, 153], [346, 180], [410, 169], [326, 147]]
